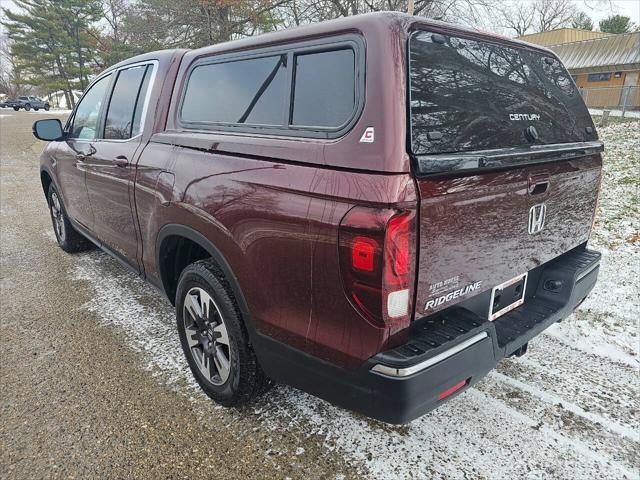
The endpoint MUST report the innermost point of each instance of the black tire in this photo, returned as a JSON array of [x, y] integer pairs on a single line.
[[16, 108], [27, 107], [68, 237], [35, 108], [46, 107], [245, 379]]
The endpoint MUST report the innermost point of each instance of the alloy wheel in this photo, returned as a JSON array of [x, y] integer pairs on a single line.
[[57, 217], [207, 336]]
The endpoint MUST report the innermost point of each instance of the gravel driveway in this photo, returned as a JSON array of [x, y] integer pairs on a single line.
[[93, 382]]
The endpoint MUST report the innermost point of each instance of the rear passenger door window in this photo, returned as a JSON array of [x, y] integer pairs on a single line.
[[324, 88], [249, 91], [126, 104]]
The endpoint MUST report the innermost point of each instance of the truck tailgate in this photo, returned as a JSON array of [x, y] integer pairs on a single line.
[[507, 162], [474, 228]]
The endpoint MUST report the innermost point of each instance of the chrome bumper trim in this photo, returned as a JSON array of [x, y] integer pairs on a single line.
[[587, 271], [405, 372]]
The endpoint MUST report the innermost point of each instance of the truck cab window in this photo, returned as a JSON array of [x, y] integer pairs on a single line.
[[85, 120], [124, 103]]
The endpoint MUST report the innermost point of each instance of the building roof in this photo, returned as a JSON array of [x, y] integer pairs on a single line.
[[561, 35], [606, 54]]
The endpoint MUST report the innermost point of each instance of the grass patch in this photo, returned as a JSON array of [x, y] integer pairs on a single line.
[[598, 118]]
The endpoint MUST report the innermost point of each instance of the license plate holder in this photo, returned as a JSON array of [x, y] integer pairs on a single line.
[[507, 296]]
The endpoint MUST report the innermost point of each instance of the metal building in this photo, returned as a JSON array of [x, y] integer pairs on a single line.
[[605, 67]]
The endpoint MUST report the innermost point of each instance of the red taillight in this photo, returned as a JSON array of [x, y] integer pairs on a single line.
[[450, 391], [397, 247], [377, 257], [362, 253]]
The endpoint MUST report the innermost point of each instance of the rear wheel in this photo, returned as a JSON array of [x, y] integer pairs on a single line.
[[214, 338], [27, 107], [68, 237], [35, 108], [16, 108]]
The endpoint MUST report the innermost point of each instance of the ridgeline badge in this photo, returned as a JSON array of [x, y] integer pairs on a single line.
[[451, 295]]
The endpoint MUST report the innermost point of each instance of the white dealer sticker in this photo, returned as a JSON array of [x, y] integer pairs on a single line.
[[368, 135]]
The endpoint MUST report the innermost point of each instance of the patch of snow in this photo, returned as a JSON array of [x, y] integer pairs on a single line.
[[50, 112], [608, 322], [621, 430], [128, 303]]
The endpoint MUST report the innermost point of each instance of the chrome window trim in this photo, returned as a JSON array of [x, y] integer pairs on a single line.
[[114, 72], [145, 105], [405, 372]]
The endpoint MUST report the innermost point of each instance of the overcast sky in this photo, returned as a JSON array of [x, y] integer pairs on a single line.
[[630, 8], [596, 9]]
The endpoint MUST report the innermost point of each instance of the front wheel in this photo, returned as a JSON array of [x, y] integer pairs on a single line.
[[46, 108], [27, 107], [68, 237], [214, 338], [16, 108], [35, 108]]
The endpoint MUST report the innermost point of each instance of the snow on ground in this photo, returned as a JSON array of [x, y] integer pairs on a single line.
[[53, 111], [608, 322], [568, 409]]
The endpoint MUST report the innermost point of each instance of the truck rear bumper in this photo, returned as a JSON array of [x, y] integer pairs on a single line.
[[444, 354]]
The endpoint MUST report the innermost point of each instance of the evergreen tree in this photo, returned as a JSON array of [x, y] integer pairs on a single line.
[[155, 24], [616, 24], [582, 21], [49, 42]]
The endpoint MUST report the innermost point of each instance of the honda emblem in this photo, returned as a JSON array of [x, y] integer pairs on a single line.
[[537, 215]]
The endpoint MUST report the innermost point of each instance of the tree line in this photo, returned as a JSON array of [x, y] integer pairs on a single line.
[[58, 45]]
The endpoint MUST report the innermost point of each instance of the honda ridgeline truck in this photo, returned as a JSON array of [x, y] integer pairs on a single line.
[[376, 209]]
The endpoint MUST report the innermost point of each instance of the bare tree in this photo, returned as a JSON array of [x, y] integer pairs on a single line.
[[519, 18], [298, 12], [12, 81], [537, 16], [114, 14], [552, 14]]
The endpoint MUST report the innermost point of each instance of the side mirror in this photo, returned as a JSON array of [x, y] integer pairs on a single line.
[[49, 129]]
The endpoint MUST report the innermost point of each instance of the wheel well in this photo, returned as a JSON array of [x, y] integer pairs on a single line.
[[46, 180], [176, 252]]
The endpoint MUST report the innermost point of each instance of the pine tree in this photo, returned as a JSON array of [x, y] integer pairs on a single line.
[[582, 21], [616, 24], [50, 44]]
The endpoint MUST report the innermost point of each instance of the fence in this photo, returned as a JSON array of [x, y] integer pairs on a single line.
[[622, 98]]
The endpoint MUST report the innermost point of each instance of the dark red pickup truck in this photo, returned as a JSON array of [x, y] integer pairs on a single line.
[[376, 209]]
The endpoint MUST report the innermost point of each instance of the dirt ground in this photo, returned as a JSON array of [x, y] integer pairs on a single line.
[[93, 383]]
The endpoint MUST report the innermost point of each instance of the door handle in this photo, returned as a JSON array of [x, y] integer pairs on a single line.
[[121, 161]]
